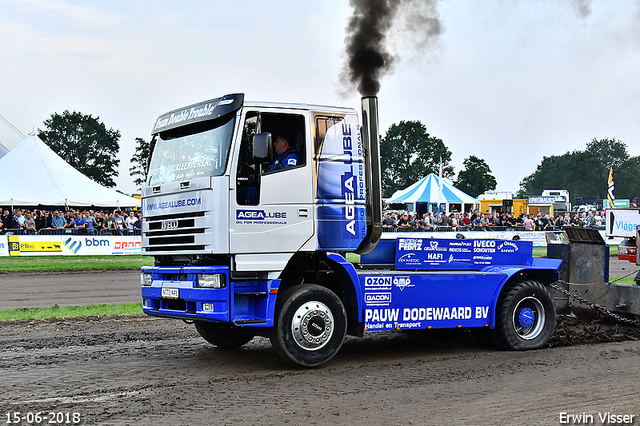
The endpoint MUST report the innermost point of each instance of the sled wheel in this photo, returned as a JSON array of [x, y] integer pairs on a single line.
[[222, 336], [311, 323], [525, 317]]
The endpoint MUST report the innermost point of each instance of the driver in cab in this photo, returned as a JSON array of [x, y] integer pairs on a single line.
[[287, 156]]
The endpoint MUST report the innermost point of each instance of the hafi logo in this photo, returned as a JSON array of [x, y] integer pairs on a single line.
[[73, 245]]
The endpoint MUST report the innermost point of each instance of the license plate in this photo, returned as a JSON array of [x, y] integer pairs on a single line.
[[171, 293]]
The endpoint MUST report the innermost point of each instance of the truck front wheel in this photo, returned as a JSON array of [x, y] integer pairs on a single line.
[[223, 336], [525, 317], [311, 324]]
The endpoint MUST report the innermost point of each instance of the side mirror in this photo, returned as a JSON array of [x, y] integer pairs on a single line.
[[262, 146]]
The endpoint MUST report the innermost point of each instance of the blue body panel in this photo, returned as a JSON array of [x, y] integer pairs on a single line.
[[247, 303], [438, 283], [445, 285], [442, 299], [340, 195]]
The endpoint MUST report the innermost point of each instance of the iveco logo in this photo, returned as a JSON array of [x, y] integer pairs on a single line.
[[169, 224]]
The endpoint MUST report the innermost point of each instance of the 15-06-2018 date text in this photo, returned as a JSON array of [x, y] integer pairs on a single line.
[[43, 418]]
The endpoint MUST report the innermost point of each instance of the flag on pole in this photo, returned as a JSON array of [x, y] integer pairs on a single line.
[[440, 186], [610, 187]]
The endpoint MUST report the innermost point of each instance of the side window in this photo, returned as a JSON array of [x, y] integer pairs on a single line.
[[322, 125], [289, 140], [292, 154], [246, 177]]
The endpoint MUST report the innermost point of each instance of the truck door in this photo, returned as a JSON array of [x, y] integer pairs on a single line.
[[271, 211]]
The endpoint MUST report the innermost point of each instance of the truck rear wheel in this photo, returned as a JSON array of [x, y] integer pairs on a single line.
[[311, 324], [525, 317], [222, 336]]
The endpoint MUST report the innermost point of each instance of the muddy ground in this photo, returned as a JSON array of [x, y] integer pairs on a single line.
[[143, 371]]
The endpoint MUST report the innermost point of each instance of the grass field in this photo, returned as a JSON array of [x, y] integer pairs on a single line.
[[72, 263], [126, 309]]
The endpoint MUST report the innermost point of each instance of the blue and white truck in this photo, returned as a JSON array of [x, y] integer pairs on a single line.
[[244, 252]]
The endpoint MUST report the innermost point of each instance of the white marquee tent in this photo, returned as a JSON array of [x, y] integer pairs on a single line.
[[427, 191], [3, 150], [32, 174]]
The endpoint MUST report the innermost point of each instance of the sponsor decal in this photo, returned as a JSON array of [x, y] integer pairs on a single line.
[[173, 204], [621, 225], [507, 247], [381, 315], [460, 246], [96, 242], [413, 318], [377, 283], [435, 246], [402, 282], [261, 217], [124, 245], [31, 245], [410, 244], [73, 245], [409, 258], [484, 246], [187, 114], [352, 184], [377, 299]]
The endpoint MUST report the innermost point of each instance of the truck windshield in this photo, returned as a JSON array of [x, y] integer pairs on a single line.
[[179, 157]]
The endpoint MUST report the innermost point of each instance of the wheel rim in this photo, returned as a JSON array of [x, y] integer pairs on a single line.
[[312, 325], [528, 318]]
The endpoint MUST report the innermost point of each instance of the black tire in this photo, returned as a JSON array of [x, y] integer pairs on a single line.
[[311, 324], [525, 316], [222, 336]]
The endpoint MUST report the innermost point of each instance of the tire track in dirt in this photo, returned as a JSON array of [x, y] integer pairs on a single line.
[[147, 371]]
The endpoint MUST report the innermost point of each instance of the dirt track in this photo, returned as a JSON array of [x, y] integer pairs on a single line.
[[144, 371]]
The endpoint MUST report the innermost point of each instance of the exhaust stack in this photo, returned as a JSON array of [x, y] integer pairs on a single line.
[[371, 145]]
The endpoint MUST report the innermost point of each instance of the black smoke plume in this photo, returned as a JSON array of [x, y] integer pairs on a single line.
[[368, 56]]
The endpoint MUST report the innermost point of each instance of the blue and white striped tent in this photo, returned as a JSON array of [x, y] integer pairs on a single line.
[[427, 191]]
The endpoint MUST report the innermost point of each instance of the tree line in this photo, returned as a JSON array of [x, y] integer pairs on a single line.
[[408, 153]]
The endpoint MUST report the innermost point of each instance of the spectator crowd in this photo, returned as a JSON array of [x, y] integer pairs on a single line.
[[58, 222], [475, 221]]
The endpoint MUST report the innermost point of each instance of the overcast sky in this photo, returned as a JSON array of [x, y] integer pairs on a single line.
[[508, 81]]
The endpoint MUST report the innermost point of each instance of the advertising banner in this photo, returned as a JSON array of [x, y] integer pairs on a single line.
[[69, 245], [4, 246]]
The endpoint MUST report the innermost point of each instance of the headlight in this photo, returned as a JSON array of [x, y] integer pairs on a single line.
[[145, 279], [212, 280]]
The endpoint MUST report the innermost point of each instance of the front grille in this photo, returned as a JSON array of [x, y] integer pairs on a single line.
[[173, 233]]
